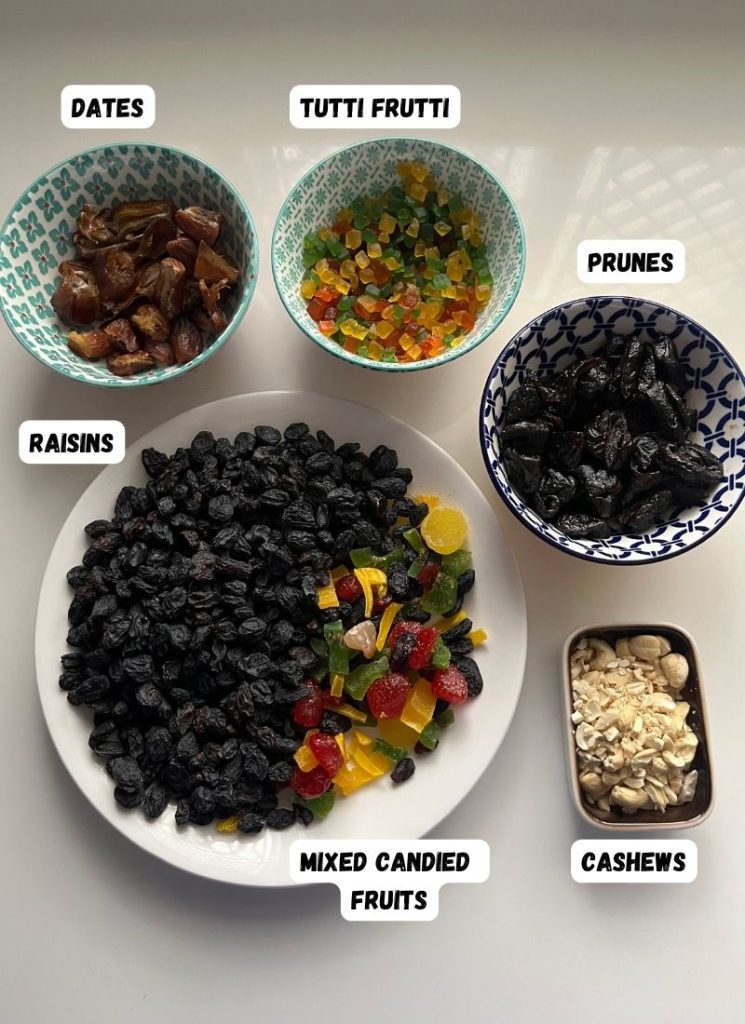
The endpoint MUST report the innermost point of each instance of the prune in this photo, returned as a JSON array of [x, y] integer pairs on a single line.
[[692, 464], [617, 423], [468, 668], [524, 471]]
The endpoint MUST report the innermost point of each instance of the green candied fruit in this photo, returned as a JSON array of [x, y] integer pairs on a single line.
[[430, 735], [394, 754], [361, 678], [441, 654], [320, 805], [459, 562], [442, 596]]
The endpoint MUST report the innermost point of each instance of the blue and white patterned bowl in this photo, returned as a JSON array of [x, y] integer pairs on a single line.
[[37, 237], [369, 168], [577, 329]]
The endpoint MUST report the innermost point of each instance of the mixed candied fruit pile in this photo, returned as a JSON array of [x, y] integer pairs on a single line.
[[399, 278], [393, 671]]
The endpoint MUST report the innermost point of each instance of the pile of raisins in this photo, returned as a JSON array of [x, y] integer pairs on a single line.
[[601, 447], [194, 608]]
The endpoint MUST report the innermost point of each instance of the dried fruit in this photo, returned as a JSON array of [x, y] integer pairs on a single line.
[[386, 696], [146, 251], [122, 335], [151, 322], [77, 299], [450, 684], [185, 340], [617, 427], [128, 364], [90, 344], [211, 267], [200, 224]]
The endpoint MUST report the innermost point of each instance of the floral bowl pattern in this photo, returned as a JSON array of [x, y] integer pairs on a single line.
[[369, 168], [37, 237], [577, 329]]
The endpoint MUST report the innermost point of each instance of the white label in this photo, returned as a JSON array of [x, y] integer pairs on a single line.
[[375, 106], [634, 260], [107, 106], [634, 860], [63, 442], [389, 880]]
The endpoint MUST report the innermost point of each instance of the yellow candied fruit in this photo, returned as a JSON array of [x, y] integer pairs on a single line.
[[368, 302], [375, 350], [393, 731], [349, 779], [388, 312], [384, 237], [365, 740], [228, 824], [374, 250], [305, 759], [338, 572], [444, 624], [419, 248], [412, 228], [478, 637], [449, 292], [430, 500], [308, 289], [374, 764], [326, 597], [348, 269], [465, 232], [323, 264], [432, 252], [442, 228], [444, 529], [418, 192], [406, 341], [387, 223], [328, 276], [362, 259], [419, 706], [347, 327], [367, 276], [353, 239], [383, 329], [392, 263], [414, 353], [360, 332], [418, 171], [442, 196], [324, 234], [482, 292], [337, 685], [351, 712], [386, 622]]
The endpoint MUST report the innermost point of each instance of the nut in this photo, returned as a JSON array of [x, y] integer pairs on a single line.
[[675, 669], [633, 742]]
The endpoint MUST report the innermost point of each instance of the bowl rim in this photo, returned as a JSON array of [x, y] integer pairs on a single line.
[[425, 364], [573, 772], [598, 557], [143, 380]]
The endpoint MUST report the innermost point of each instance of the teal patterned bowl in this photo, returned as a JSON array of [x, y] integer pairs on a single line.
[[37, 237], [369, 168]]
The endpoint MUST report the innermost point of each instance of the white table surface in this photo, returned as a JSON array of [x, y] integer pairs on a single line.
[[600, 125]]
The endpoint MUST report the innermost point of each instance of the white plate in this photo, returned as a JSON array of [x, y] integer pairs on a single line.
[[381, 810]]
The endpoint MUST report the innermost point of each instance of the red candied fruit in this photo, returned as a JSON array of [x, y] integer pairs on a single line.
[[327, 752], [404, 626], [428, 575], [310, 784], [348, 589], [387, 695], [426, 640], [449, 684], [308, 711]]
